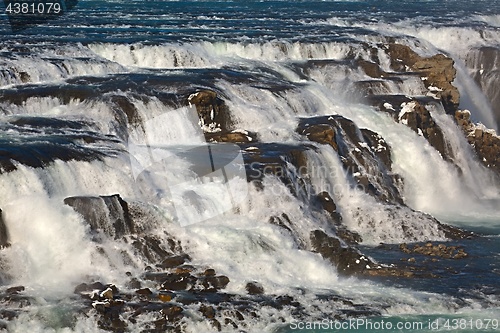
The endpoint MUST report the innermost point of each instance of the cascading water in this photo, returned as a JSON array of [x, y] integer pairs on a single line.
[[126, 208]]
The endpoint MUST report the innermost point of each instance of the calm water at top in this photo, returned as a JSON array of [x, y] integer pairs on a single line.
[[183, 21]]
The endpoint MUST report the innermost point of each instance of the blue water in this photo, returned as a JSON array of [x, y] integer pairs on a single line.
[[182, 21]]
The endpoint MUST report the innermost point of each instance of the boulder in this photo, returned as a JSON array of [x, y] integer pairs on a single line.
[[107, 214], [420, 120], [347, 260], [212, 110], [254, 288], [435, 250], [215, 119]]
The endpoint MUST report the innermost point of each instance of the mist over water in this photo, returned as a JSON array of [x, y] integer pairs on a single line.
[[92, 104]]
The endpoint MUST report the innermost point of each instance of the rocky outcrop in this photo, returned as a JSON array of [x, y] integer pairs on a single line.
[[485, 142], [419, 119], [287, 162], [364, 154], [106, 214], [328, 204], [215, 118], [4, 235], [413, 113], [347, 260], [435, 250], [213, 113], [437, 73], [350, 261]]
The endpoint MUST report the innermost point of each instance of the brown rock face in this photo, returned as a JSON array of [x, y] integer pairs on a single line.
[[436, 71], [215, 118], [420, 120], [213, 112], [486, 143]]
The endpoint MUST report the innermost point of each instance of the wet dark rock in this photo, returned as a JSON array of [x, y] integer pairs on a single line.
[[417, 116], [127, 107], [420, 120], [134, 283], [153, 249], [4, 235], [371, 69], [363, 154], [382, 151], [347, 260], [209, 272], [38, 154], [327, 203], [214, 283], [207, 311], [8, 315], [15, 290], [174, 261], [216, 324], [172, 313], [212, 110], [174, 281], [144, 291], [254, 288], [231, 137], [452, 232], [106, 214], [282, 221], [215, 119], [287, 162]]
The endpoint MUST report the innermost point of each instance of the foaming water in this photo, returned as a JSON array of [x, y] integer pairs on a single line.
[[123, 87]]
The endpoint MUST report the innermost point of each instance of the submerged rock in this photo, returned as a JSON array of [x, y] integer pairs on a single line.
[[435, 250]]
